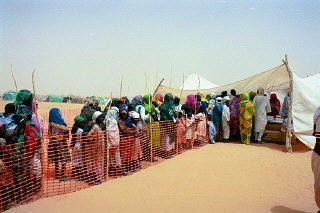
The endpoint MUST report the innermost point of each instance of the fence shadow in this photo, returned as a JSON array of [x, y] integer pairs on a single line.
[[284, 209]]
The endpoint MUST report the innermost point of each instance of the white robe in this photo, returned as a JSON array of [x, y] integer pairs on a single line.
[[225, 121], [262, 107]]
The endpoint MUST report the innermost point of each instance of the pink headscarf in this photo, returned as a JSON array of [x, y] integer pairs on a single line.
[[159, 98]]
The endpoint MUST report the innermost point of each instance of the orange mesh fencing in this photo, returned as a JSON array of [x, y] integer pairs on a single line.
[[31, 170]]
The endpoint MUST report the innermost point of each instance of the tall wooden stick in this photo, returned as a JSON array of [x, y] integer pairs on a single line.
[[195, 108], [121, 86], [289, 125], [182, 85], [108, 150], [155, 91], [14, 79], [35, 99]]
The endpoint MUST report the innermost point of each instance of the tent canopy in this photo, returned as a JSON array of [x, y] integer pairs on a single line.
[[305, 100], [194, 81]]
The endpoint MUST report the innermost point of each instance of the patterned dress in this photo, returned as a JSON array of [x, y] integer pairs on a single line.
[[246, 109], [234, 116]]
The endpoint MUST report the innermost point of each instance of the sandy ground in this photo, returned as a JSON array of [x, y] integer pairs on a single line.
[[215, 178]]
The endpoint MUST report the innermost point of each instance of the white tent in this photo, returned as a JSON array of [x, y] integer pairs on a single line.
[[195, 81], [305, 99]]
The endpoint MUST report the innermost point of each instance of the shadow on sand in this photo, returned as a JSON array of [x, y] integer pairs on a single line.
[[283, 209]]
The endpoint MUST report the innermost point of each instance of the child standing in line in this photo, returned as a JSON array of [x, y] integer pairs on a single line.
[[201, 131], [211, 129], [181, 129], [190, 130]]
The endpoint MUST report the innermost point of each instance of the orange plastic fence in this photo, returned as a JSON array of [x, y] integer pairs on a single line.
[[31, 170]]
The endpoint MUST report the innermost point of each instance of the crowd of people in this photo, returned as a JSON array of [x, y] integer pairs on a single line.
[[116, 139]]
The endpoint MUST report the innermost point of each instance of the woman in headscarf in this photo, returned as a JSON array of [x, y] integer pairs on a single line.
[[167, 126], [87, 112], [113, 140], [275, 105], [127, 141], [77, 146], [159, 99], [37, 119], [25, 144], [125, 101], [234, 115], [192, 103], [246, 109], [58, 151], [152, 114], [97, 149], [202, 101]]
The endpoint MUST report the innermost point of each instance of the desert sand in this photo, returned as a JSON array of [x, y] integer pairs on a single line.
[[224, 177]]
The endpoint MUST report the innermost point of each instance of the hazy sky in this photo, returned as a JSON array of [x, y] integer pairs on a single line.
[[83, 47]]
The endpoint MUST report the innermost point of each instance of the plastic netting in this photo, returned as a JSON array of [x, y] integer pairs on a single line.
[[61, 164]]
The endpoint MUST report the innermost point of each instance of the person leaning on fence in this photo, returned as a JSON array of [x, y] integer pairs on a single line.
[[315, 158], [167, 126], [137, 156], [87, 112], [127, 141], [25, 145], [58, 150], [77, 159], [181, 131], [5, 174], [96, 150], [113, 141]]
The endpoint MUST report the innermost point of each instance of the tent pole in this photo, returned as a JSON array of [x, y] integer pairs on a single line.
[[155, 91], [14, 79], [289, 125]]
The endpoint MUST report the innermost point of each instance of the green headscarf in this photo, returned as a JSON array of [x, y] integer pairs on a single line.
[[167, 108], [22, 96], [77, 121], [148, 106], [252, 94]]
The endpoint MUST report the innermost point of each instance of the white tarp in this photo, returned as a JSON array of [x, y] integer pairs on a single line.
[[305, 96], [193, 80]]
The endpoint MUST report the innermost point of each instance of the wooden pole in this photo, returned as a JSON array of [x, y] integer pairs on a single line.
[[35, 99], [195, 109], [289, 125], [108, 151], [14, 79], [121, 85], [177, 147], [155, 91]]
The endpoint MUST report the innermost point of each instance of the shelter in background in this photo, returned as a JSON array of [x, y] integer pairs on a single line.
[[55, 98], [10, 95], [196, 81], [101, 100], [280, 79]]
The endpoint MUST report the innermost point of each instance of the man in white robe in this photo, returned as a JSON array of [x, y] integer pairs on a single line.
[[262, 107]]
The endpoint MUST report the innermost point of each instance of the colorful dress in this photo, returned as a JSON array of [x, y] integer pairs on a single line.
[[246, 109], [234, 116], [58, 132]]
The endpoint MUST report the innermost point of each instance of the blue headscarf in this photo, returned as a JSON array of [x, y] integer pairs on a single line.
[[56, 117], [127, 120]]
